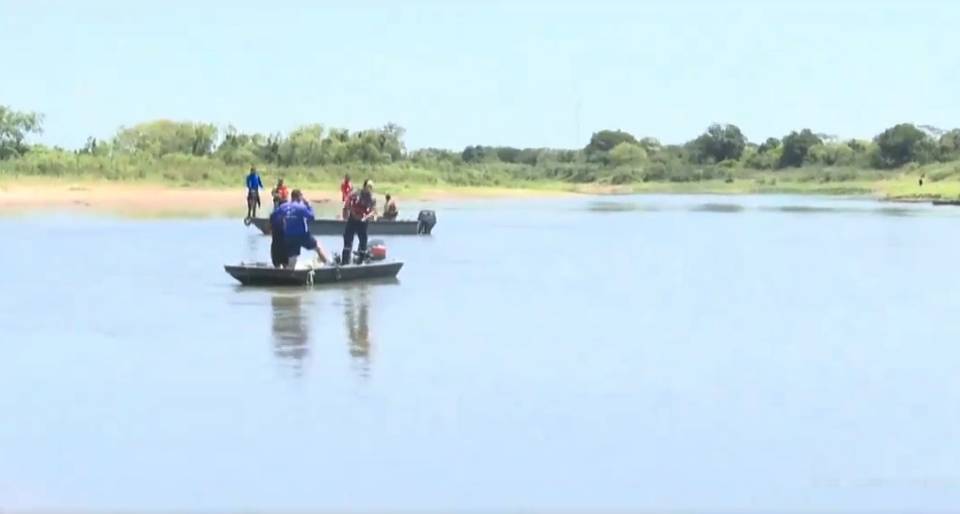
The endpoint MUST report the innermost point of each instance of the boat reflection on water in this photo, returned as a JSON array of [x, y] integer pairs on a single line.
[[356, 304], [291, 337]]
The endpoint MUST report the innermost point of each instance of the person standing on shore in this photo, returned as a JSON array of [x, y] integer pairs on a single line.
[[254, 185], [360, 207]]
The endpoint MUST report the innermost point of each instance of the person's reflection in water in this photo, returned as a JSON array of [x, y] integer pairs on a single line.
[[358, 330], [290, 336]]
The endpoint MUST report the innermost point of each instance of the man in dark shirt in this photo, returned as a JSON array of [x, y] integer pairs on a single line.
[[278, 249], [360, 207]]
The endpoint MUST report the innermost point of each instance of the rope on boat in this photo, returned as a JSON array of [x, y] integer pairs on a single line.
[[310, 277]]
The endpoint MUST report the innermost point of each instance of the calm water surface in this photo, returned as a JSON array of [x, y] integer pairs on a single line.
[[681, 352]]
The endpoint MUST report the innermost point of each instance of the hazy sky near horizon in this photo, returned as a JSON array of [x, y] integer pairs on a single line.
[[525, 73]]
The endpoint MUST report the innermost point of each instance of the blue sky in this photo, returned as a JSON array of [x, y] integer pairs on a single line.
[[458, 73]]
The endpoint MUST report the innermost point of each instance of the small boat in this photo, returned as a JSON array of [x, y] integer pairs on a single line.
[[263, 274], [423, 225], [946, 202]]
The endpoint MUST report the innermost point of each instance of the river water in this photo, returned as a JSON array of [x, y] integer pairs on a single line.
[[641, 353]]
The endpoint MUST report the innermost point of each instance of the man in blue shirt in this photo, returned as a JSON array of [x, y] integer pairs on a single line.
[[278, 249], [297, 215], [254, 185]]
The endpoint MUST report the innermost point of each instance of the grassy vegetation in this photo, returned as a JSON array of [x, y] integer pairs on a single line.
[[826, 181], [721, 160], [192, 172], [942, 180]]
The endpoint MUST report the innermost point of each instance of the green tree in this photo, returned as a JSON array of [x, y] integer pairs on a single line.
[[858, 146], [770, 144], [832, 154], [625, 154], [335, 149], [15, 126], [904, 143], [367, 147], [530, 156], [719, 143], [766, 160], [796, 146], [605, 140], [162, 137], [432, 155], [390, 141], [204, 138], [90, 147], [550, 155], [270, 151], [949, 145], [237, 148], [94, 146], [303, 147], [508, 154], [651, 145], [479, 153]]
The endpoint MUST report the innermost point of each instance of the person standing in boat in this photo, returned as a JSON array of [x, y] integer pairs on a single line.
[[280, 194], [345, 189], [361, 208], [278, 249], [390, 211], [254, 185], [297, 215]]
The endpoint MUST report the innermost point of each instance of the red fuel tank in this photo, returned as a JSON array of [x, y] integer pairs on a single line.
[[378, 252]]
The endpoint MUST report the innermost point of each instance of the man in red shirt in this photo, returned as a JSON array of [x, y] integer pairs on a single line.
[[360, 208], [280, 194], [345, 189]]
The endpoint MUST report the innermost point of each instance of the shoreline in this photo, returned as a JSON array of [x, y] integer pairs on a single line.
[[157, 199], [150, 199]]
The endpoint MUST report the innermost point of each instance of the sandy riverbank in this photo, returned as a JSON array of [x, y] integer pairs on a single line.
[[155, 199], [159, 200]]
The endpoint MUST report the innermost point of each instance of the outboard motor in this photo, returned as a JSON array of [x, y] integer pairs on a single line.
[[425, 222], [377, 250]]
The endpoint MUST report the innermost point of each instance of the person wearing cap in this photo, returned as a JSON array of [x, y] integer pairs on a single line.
[[297, 215], [361, 208]]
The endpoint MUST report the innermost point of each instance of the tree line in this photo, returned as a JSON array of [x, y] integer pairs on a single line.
[[620, 153]]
